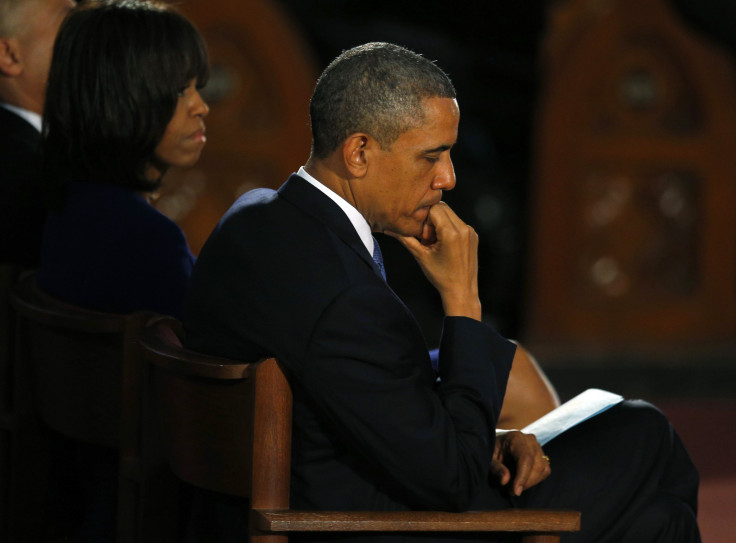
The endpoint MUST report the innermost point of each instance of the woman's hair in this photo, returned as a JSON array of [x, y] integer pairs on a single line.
[[116, 72]]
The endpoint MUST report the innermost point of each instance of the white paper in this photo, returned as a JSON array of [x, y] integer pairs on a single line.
[[582, 407]]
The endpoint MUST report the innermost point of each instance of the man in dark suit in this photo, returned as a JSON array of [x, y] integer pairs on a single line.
[[297, 274], [27, 32]]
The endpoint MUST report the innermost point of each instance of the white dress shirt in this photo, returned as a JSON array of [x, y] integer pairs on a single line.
[[34, 119], [358, 221]]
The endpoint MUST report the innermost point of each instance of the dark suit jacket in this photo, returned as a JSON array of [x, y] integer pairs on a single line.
[[22, 212], [286, 274], [108, 249]]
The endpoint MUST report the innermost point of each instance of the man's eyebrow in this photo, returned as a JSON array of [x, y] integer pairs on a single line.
[[438, 149]]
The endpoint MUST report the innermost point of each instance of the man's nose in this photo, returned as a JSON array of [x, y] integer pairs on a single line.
[[445, 179]]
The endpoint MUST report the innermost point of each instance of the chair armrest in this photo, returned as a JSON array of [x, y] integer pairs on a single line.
[[175, 358], [510, 520]]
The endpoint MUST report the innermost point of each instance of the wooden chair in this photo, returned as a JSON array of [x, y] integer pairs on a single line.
[[228, 429], [78, 371]]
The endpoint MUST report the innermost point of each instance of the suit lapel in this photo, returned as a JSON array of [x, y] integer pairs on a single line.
[[15, 127], [313, 202]]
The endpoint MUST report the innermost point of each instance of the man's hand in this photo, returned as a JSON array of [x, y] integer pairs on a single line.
[[448, 256], [519, 455]]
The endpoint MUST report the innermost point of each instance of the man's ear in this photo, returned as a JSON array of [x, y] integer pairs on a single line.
[[11, 63], [355, 155]]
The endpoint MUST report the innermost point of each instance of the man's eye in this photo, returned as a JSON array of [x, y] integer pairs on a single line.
[[432, 158]]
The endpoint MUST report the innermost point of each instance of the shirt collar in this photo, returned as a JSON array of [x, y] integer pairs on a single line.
[[34, 119], [357, 220]]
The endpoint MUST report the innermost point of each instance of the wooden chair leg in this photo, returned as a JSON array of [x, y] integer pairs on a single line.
[[541, 538]]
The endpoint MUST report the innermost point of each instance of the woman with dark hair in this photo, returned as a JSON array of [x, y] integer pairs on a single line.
[[122, 106]]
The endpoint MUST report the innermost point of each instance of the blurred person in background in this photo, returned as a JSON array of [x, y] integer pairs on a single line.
[[27, 32]]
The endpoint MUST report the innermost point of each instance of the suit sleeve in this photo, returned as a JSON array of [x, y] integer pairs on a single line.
[[368, 371]]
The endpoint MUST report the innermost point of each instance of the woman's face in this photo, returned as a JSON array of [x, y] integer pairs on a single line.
[[184, 137]]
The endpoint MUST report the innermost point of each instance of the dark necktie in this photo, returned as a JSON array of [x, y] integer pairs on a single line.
[[378, 258]]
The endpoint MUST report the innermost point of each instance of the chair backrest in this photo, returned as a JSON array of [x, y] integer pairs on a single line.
[[78, 371], [81, 365], [220, 418]]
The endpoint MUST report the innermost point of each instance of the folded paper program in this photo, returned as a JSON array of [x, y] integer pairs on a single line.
[[571, 413]]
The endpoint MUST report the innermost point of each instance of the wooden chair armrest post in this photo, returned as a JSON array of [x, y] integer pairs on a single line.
[[271, 466]]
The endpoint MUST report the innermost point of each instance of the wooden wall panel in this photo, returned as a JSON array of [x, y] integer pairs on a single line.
[[635, 188], [258, 128]]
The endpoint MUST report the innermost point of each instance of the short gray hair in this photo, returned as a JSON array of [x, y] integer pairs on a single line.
[[376, 88]]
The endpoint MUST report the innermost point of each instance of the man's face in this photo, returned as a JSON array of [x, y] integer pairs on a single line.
[[40, 24], [403, 182]]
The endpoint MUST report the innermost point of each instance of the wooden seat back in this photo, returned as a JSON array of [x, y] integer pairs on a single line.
[[79, 360], [79, 372], [196, 398]]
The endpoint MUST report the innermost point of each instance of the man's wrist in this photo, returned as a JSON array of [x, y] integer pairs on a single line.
[[470, 308]]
